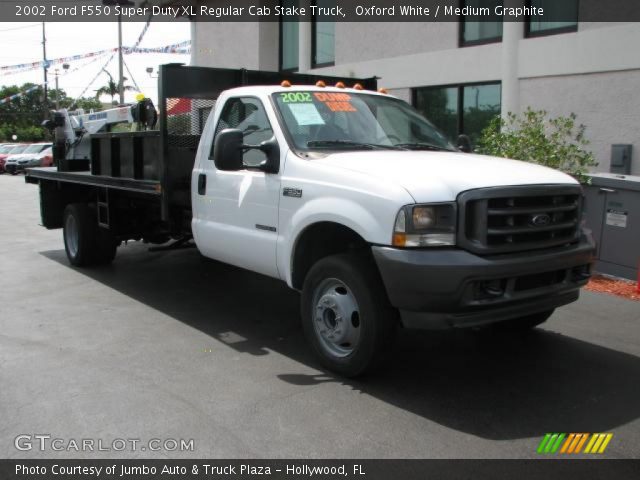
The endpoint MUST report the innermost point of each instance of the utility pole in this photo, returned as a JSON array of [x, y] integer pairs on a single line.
[[120, 61], [65, 67], [45, 66], [56, 73]]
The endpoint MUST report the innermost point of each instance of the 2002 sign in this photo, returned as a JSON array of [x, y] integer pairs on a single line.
[[296, 97]]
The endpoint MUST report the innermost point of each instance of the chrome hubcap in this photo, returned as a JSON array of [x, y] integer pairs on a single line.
[[336, 318]]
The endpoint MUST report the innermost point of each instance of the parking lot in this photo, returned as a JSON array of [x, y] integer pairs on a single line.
[[171, 345]]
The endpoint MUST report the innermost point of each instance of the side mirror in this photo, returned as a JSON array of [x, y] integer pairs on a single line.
[[464, 143], [272, 151], [227, 150]]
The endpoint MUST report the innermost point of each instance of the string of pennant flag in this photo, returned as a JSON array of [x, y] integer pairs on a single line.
[[177, 48], [19, 94], [140, 37]]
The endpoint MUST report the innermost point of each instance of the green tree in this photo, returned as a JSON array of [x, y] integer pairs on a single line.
[[557, 142], [111, 89], [23, 116]]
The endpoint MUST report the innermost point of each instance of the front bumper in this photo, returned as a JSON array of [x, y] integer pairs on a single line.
[[444, 288], [13, 167]]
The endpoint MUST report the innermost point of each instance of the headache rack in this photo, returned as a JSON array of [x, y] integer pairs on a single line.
[[514, 219]]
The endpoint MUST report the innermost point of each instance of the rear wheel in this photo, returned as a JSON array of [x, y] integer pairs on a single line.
[[85, 243], [525, 323], [346, 315]]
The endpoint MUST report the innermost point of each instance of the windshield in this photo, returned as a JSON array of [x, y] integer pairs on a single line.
[[36, 148], [6, 148], [346, 121], [18, 149]]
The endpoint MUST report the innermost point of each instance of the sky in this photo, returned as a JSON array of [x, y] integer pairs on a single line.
[[22, 43]]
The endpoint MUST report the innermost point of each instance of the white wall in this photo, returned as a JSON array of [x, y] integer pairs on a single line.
[[607, 103], [357, 42], [592, 72]]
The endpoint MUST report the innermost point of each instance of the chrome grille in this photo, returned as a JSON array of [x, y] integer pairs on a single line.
[[510, 219]]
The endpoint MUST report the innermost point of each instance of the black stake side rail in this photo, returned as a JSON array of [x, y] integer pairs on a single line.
[[34, 175]]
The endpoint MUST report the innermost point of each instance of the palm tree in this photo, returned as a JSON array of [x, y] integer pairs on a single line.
[[111, 88]]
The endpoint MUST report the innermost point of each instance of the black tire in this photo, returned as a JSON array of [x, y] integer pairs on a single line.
[[523, 324], [107, 247], [374, 325], [85, 243]]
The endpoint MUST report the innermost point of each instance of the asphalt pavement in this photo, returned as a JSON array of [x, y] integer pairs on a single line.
[[169, 345]]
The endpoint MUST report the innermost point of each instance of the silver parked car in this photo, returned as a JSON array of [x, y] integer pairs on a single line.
[[33, 156]]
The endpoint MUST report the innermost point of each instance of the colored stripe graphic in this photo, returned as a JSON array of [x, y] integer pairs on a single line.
[[573, 443], [567, 442], [543, 443], [556, 445], [551, 442], [582, 441]]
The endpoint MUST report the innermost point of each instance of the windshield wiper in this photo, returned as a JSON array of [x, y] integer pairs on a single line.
[[349, 143], [422, 146]]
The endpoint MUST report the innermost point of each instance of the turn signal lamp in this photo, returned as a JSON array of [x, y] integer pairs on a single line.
[[285, 84], [357, 86], [340, 85], [320, 84]]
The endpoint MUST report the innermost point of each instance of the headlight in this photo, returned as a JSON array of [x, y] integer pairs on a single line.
[[425, 226]]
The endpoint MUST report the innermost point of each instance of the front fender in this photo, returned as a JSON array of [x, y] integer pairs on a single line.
[[372, 228]]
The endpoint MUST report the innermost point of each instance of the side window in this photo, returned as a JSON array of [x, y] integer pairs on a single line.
[[246, 114]]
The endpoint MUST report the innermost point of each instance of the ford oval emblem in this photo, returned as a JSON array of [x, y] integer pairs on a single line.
[[540, 220]]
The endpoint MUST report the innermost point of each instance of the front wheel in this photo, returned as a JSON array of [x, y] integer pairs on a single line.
[[346, 315]]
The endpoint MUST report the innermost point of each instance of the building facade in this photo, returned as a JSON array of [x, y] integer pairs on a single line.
[[461, 74]]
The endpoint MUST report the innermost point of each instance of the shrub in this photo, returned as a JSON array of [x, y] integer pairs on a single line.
[[532, 137]]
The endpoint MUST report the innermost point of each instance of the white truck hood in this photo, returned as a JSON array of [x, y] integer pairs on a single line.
[[441, 176]]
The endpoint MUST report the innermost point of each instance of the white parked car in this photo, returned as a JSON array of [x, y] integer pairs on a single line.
[[35, 155]]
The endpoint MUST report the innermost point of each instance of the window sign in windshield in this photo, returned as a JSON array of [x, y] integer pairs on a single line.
[[305, 114], [341, 121]]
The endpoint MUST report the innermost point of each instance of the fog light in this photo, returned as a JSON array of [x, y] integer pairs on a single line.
[[580, 274], [492, 288]]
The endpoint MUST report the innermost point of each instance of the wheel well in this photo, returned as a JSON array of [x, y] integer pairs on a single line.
[[321, 240], [55, 196]]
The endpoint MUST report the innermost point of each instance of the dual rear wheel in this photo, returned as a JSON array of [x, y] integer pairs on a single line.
[[85, 242]]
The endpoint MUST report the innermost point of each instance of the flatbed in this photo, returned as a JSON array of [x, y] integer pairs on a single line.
[[150, 187]]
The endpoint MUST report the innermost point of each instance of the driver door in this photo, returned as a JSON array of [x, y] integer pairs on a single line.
[[237, 212]]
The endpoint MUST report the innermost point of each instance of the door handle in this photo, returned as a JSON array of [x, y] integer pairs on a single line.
[[607, 190], [202, 184]]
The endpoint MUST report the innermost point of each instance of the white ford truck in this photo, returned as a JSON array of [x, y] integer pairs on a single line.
[[348, 195]]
